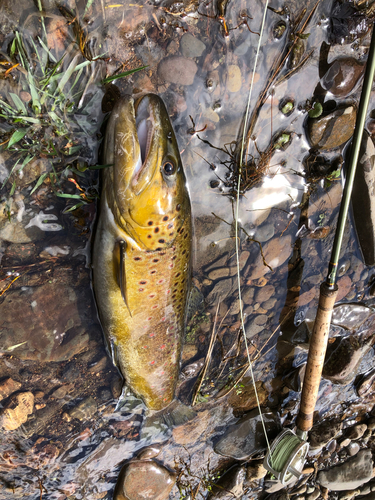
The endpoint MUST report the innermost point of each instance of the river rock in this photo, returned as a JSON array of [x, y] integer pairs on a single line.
[[176, 69], [243, 396], [264, 293], [191, 46], [234, 78], [16, 413], [363, 199], [246, 438], [230, 485], [350, 316], [84, 410], [220, 291], [322, 433], [356, 432], [333, 130], [342, 77], [144, 479], [349, 475], [50, 329], [366, 384], [276, 252], [7, 387]]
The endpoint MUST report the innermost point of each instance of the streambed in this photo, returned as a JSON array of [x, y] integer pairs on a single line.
[[62, 437]]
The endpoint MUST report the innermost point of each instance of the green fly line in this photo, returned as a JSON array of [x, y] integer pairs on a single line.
[[283, 451], [236, 223]]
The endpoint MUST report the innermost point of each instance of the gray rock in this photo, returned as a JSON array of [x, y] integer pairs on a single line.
[[177, 70], [350, 316], [50, 329], [342, 76], [349, 475], [264, 293], [322, 433], [246, 438], [332, 130], [220, 291], [353, 449], [356, 432], [230, 485], [191, 46], [264, 233], [86, 409]]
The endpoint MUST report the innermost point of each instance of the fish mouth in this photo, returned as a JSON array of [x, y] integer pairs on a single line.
[[148, 132]]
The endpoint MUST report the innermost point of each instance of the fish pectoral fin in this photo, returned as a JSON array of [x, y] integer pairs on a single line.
[[122, 273]]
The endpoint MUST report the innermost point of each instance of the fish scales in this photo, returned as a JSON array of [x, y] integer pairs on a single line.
[[147, 211]]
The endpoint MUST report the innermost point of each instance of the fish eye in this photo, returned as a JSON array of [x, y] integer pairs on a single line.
[[169, 168]]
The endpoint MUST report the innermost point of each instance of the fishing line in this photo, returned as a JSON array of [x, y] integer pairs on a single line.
[[236, 222]]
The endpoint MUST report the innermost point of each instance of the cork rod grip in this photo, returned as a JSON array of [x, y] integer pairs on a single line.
[[315, 360]]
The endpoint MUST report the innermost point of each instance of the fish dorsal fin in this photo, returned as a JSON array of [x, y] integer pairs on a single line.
[[122, 273]]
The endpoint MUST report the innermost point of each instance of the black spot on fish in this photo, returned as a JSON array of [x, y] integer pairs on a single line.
[[155, 260], [165, 218], [161, 240], [178, 208], [153, 272], [150, 223], [143, 282], [137, 258], [149, 236], [156, 230]]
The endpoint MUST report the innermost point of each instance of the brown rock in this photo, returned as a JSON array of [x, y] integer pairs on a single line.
[[332, 130], [344, 284], [17, 412], [7, 387], [264, 293], [243, 396], [176, 69], [276, 252]]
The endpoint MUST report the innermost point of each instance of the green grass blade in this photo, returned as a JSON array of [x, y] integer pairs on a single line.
[[51, 56], [67, 74], [65, 195], [18, 103], [11, 172], [39, 182], [17, 136], [121, 75], [88, 5], [74, 207]]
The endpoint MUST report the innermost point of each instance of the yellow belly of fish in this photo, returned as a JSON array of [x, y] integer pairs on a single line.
[[147, 332]]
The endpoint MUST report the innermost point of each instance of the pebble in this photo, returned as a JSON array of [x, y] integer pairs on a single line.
[[342, 77], [17, 412], [313, 495], [353, 449], [264, 233], [86, 409], [191, 46], [231, 483], [234, 78], [244, 399], [269, 304], [356, 432], [221, 272], [243, 440], [264, 293], [276, 252], [349, 475], [7, 387], [332, 130], [323, 432], [248, 295], [256, 471], [144, 479], [371, 423], [220, 291], [176, 69], [235, 307]]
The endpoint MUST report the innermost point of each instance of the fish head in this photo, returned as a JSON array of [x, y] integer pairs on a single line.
[[146, 188]]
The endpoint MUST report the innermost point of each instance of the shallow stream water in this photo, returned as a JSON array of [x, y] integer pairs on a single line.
[[68, 440]]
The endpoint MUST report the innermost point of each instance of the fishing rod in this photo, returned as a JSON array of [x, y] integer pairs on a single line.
[[285, 458]]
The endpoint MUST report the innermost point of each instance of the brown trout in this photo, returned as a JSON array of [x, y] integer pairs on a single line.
[[142, 248]]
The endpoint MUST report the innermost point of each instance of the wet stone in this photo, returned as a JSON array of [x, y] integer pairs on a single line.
[[269, 304], [313, 495], [221, 272], [349, 475], [86, 409], [343, 358], [17, 411], [256, 471], [220, 291], [244, 399], [234, 78], [264, 293], [276, 252], [230, 485], [144, 479], [177, 70], [191, 46], [7, 387], [50, 329], [333, 130], [356, 432], [350, 316], [343, 76], [353, 449], [248, 295], [264, 233], [243, 439], [323, 432]]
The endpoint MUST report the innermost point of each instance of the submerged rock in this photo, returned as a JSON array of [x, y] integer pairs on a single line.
[[333, 130], [230, 485], [243, 397], [246, 437], [143, 478], [276, 252], [17, 412], [191, 46], [349, 475], [363, 199], [350, 316], [178, 70], [50, 329], [366, 384], [343, 76], [7, 387], [343, 358]]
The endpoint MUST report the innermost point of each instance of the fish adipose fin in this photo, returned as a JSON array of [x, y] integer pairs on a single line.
[[122, 273]]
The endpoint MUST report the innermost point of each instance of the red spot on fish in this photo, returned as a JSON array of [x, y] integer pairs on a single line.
[[168, 291], [163, 318], [152, 334], [152, 363], [171, 266], [162, 347], [152, 296], [149, 319], [140, 289], [162, 373], [160, 281], [155, 306]]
